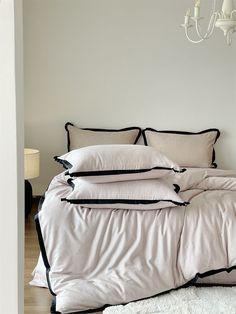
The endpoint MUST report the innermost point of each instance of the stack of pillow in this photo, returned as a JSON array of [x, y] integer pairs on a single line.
[[128, 176], [120, 176]]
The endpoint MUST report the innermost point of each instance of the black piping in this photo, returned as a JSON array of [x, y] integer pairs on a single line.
[[177, 188], [101, 130], [43, 252], [53, 306], [71, 183], [214, 165], [112, 172], [64, 162], [120, 201], [118, 172], [41, 200], [68, 134]]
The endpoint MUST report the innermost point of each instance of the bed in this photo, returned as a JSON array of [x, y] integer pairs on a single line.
[[114, 229]]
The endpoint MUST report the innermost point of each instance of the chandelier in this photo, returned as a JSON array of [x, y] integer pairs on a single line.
[[225, 19]]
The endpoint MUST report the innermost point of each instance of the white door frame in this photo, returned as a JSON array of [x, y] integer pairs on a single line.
[[11, 158]]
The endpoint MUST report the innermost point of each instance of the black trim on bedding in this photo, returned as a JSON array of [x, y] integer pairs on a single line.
[[176, 188], [119, 201], [101, 130], [214, 165], [199, 284], [41, 200], [53, 306], [192, 282], [71, 183], [116, 172], [64, 162], [214, 272], [43, 252], [68, 134]]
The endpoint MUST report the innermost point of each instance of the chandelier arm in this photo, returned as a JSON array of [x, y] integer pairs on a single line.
[[192, 41], [213, 7], [199, 31], [213, 24], [210, 28], [232, 13], [229, 38], [214, 15]]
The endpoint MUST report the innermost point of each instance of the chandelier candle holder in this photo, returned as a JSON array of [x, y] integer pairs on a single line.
[[225, 19]]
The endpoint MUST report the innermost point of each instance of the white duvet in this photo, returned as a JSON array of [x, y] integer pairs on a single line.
[[96, 257]]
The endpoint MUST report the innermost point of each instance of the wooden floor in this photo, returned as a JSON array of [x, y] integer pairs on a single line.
[[37, 300]]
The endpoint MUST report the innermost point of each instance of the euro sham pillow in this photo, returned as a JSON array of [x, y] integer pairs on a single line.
[[187, 149], [110, 163], [138, 195], [78, 138]]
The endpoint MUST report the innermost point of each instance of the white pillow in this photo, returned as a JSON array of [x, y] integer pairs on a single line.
[[109, 163], [137, 195], [188, 149]]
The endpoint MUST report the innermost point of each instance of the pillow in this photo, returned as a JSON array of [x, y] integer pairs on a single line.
[[185, 148], [77, 137], [109, 163], [137, 195]]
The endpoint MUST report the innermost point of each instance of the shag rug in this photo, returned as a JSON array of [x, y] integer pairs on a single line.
[[204, 300]]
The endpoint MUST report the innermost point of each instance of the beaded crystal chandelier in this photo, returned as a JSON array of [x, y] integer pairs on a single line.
[[225, 19]]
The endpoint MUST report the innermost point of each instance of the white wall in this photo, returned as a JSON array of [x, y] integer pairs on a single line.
[[116, 63], [19, 138], [234, 64], [11, 158]]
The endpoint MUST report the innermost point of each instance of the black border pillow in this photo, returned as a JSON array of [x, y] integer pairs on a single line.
[[90, 134], [112, 163], [137, 195], [194, 146]]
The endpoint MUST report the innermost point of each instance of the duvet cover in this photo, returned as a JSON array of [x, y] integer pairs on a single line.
[[99, 257]]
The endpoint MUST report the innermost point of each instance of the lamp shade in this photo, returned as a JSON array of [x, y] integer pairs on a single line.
[[31, 157]]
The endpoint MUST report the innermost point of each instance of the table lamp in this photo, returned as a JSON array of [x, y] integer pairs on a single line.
[[31, 162]]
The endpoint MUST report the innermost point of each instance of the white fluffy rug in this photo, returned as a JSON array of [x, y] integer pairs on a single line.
[[207, 300]]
